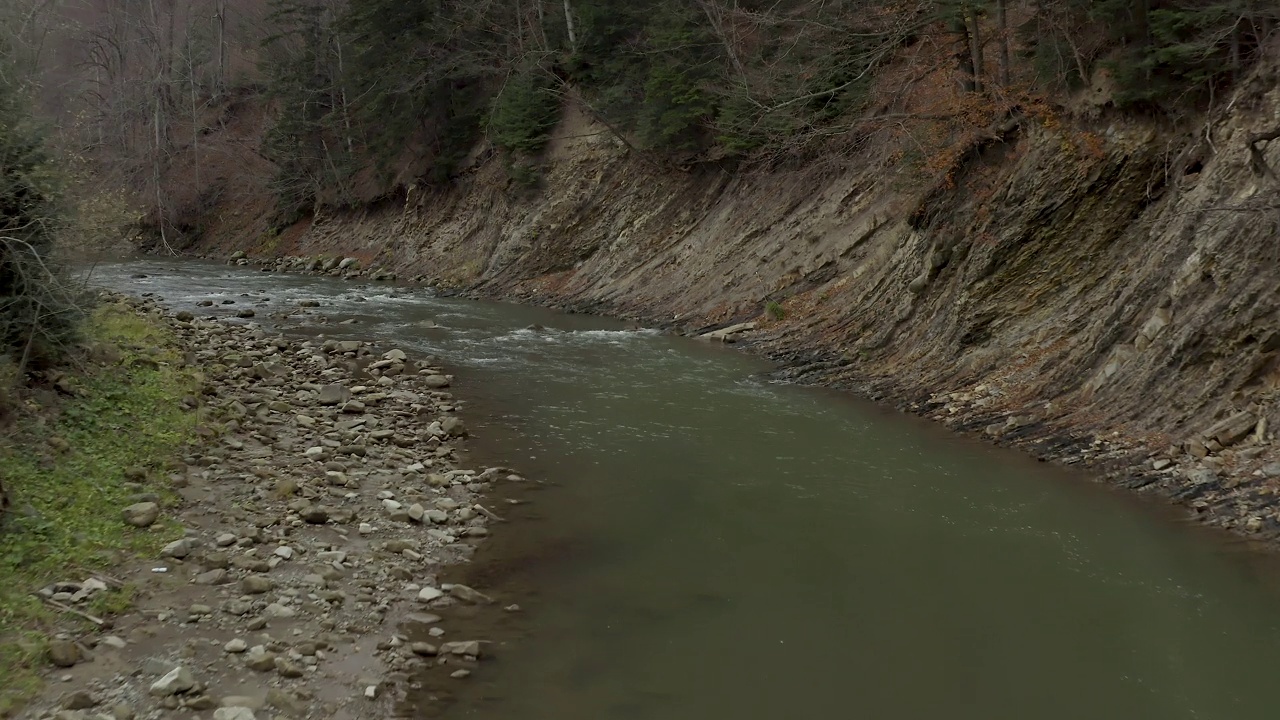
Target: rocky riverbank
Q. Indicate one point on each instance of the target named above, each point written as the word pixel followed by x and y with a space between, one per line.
pixel 322 511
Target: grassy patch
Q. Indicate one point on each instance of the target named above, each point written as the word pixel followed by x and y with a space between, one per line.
pixel 64 465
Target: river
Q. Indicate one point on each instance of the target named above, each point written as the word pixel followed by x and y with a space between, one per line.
pixel 710 544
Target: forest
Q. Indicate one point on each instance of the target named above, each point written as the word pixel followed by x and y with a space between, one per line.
pixel 354 100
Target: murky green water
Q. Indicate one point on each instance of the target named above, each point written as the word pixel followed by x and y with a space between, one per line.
pixel 717 546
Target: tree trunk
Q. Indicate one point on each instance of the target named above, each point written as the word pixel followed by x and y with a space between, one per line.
pixel 1002 25
pixel 964 57
pixel 568 24
pixel 1141 23
pixel 4 501
pixel 220 77
pixel 975 46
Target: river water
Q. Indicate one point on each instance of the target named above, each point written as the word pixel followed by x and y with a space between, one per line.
pixel 714 545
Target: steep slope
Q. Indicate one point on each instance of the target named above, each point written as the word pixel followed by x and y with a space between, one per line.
pixel 1102 293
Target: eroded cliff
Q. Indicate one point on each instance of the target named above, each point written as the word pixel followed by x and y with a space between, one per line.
pixel 1103 293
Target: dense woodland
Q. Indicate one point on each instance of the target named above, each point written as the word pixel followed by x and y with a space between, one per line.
pixel 352 100
pixel 368 95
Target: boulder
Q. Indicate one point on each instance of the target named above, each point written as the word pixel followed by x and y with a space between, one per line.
pixel 142 514
pixel 333 394
pixel 177 680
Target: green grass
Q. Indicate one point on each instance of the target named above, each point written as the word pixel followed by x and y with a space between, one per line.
pixel 774 310
pixel 65 518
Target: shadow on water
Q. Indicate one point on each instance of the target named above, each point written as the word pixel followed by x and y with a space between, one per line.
pixel 701 543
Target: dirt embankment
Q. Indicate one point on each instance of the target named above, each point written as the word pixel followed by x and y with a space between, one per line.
pixel 1104 294
pixel 316 523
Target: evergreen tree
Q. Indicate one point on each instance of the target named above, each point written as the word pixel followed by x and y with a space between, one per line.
pixel 37 317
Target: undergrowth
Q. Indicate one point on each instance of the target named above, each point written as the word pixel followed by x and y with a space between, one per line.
pixel 64 463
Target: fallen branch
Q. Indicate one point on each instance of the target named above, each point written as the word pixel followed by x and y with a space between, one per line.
pixel 68 609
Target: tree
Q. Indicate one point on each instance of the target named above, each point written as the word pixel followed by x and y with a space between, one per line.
pixel 37 316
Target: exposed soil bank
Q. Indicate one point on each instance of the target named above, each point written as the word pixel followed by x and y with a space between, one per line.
pixel 323 509
pixel 1105 295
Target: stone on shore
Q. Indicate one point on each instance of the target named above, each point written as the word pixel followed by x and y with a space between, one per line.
pixel 141 515
pixel 64 653
pixel 178 680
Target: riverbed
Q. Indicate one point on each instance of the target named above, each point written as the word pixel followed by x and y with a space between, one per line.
pixel 712 544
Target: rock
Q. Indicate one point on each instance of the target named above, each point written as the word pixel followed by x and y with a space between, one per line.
pixel 256 584
pixel 225 540
pixel 334 394
pixel 1271 469
pixel 427 594
pixel 178 680
pixel 184 316
pixel 316 515
pixel 64 653
pixel 261 660
pixel 424 649
pixel 178 548
pixel 233 713
pixel 416 512
pixel 245 313
pixel 237 607
pixel 284 551
pixel 142 514
pixel 396 355
pixel 1253 524
pixel 459 674
pixel 468 595
pixel 235 646
pixel 276 610
pixel 288 668
pixel 122 711
pixel 347 263
pixel 79 700
pixel 453 426
pixel 217 576
pixel 436 382
pixel 724 334
pixel 1233 429
pixel 465 647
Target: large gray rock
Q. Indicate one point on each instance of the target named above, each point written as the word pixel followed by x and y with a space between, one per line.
pixel 64 653
pixel 177 680
pixel 233 713
pixel 256 584
pixel 334 394
pixel 1233 429
pixel 453 426
pixel 141 514
pixel 464 647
